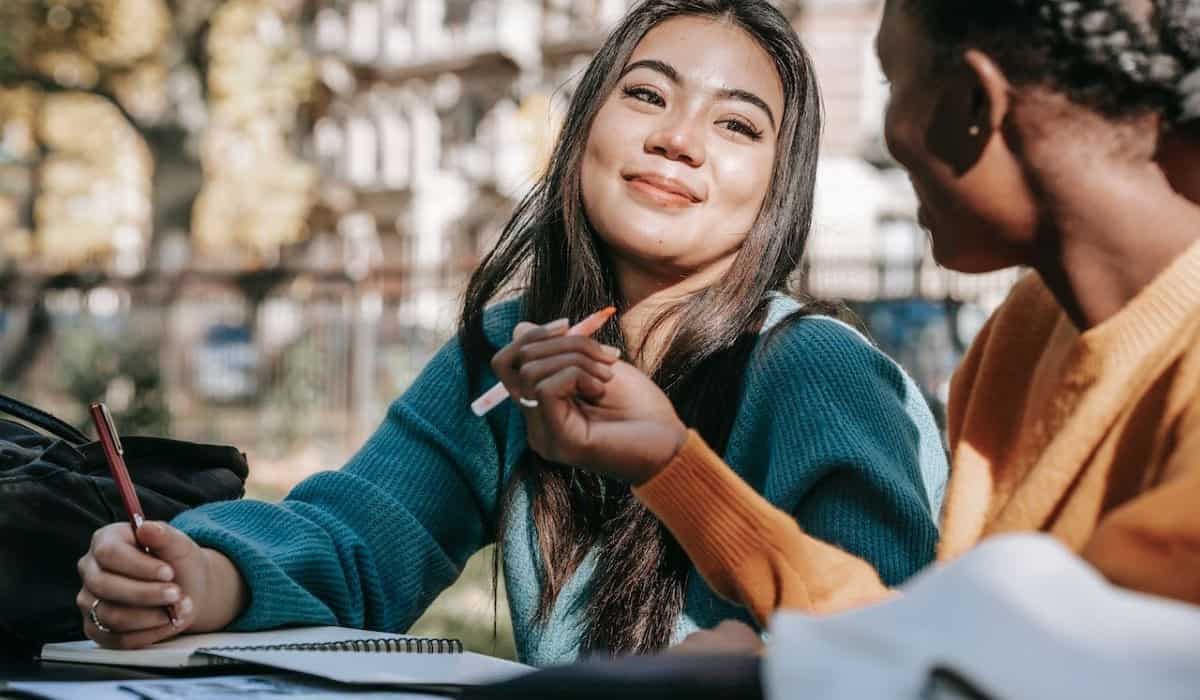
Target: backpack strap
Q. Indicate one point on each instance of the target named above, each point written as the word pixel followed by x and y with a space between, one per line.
pixel 39 418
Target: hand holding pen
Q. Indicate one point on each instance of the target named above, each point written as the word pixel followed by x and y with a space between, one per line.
pixel 114 454
pixel 583 406
pixel 145 581
pixel 496 395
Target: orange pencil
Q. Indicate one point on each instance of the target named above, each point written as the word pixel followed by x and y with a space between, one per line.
pixel 496 395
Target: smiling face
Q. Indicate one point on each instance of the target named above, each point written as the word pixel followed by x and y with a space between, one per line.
pixel 680 156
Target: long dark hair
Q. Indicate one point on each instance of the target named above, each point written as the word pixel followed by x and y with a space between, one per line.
pixel 550 253
pixel 1100 53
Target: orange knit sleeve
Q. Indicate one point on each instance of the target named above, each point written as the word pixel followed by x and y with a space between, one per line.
pixel 1152 543
pixel 749 551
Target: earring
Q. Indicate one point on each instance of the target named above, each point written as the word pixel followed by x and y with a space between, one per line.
pixel 974 130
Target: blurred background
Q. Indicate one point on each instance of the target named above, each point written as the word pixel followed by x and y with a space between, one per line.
pixel 251 221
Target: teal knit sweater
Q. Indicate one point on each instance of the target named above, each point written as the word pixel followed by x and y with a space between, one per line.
pixel 828 429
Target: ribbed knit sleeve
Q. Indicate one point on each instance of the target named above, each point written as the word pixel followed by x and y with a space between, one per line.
pixel 747 549
pixel 851 468
pixel 372 544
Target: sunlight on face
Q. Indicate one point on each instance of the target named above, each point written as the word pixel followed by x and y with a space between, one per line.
pixel 681 154
pixel 978 220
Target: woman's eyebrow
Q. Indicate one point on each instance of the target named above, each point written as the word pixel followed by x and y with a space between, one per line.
pixel 669 72
pixel 750 97
pixel 655 65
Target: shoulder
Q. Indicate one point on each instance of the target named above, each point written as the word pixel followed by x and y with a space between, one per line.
pixel 820 371
pixel 501 318
pixel 819 390
pixel 798 347
pixel 446 373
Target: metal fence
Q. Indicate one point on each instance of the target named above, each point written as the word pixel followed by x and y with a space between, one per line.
pixel 297 367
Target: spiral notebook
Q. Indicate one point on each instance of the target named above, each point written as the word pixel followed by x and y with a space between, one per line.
pixel 334 653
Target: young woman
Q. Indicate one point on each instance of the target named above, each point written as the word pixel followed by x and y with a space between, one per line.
pixel 680 191
pixel 1060 135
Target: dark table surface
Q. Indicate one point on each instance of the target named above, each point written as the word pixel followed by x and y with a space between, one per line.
pixel 634 678
pixel 46 672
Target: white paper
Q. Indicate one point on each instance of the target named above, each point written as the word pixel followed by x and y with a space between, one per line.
pixel 178 652
pixel 1019 617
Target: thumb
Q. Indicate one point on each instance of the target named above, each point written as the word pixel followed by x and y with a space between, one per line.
pixel 166 542
pixel 522 328
pixel 590 388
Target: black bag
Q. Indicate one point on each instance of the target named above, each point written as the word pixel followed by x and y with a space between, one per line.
pixel 55 491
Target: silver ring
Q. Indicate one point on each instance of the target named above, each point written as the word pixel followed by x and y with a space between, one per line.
pixel 95 619
pixel 528 403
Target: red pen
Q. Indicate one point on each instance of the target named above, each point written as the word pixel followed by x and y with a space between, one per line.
pixel 114 455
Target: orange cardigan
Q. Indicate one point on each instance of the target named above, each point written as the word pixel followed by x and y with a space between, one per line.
pixel 1092 437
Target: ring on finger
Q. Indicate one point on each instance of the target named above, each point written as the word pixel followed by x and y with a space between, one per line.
pixel 96 618
pixel 528 403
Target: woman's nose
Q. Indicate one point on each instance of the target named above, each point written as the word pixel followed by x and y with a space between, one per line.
pixel 679 138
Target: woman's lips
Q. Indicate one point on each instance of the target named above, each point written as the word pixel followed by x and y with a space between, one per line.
pixel 661 191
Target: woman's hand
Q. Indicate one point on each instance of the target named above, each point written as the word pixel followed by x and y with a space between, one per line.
pixel 728 638
pixel 592 410
pixel 202 587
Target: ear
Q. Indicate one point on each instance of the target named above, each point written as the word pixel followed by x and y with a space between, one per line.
pixel 972 103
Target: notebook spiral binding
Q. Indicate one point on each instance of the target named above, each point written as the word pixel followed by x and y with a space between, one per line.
pixel 411 645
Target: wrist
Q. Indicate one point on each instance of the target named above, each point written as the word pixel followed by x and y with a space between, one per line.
pixel 676 437
pixel 224 593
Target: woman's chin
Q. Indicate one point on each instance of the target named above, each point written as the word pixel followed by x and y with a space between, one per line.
pixel 650 247
pixel 970 262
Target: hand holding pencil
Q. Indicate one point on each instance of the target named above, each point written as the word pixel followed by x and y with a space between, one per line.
pixel 583 406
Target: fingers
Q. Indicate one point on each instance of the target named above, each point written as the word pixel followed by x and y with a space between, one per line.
pixel 529 360
pixel 129 640
pixel 525 327
pixel 127 628
pixel 580 345
pixel 134 587
pixel 120 618
pixel 165 542
pixel 533 373
pixel 108 585
pixel 114 549
pixel 504 362
pixel 729 637
pixel 547 424
pixel 568 382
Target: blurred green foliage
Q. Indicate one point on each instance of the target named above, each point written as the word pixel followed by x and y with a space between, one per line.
pixel 122 370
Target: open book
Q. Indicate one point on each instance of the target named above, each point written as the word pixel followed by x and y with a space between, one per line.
pixel 334 653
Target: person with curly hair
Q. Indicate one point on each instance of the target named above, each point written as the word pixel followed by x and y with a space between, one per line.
pixel 1057 135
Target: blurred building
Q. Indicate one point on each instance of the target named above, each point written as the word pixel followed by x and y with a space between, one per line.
pixel 439 113
pixel 436 115
pixel 285 197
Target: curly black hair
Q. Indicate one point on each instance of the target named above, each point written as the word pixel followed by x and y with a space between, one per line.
pixel 1098 52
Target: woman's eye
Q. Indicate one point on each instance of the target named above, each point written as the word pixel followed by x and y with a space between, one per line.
pixel 740 127
pixel 644 94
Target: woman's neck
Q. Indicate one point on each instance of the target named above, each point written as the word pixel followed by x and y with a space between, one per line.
pixel 648 292
pixel 1114 234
